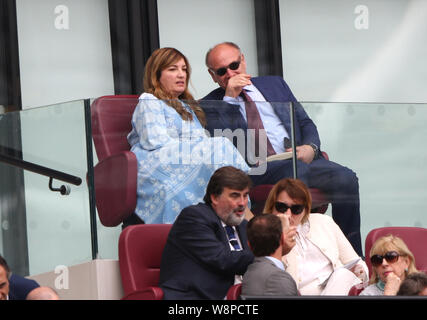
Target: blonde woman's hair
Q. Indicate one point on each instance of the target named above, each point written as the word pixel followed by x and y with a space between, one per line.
pixel 296 189
pixel 391 243
pixel 159 60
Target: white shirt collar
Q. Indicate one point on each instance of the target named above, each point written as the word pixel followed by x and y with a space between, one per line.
pixel 277 262
pixel 223 224
pixel 250 87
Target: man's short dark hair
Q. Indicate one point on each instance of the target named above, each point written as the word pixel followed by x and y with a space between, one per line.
pixel 3 263
pixel 413 284
pixel 226 177
pixel 264 232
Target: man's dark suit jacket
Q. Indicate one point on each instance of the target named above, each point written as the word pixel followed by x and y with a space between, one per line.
pixel 274 89
pixel 197 262
pixel 20 287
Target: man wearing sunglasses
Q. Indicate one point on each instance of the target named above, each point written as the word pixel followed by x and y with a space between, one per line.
pixel 227 67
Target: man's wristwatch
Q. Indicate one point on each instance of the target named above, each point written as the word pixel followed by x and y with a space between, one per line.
pixel 316 150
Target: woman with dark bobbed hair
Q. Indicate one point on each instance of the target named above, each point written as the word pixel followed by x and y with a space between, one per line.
pixel 322 260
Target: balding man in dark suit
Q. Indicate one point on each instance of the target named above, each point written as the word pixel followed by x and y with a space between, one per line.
pixel 227 67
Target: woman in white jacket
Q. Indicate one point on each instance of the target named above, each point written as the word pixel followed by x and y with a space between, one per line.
pixel 322 262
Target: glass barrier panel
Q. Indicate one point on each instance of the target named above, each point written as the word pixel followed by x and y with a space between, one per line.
pixel 57 226
pixel 373 140
pixel 379 142
pixel 383 144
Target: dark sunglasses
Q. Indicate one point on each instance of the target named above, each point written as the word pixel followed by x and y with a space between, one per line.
pixel 283 207
pixel 232 66
pixel 390 257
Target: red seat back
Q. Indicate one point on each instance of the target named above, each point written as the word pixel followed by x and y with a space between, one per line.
pixel 116 172
pixel 140 254
pixel 234 292
pixel 259 195
pixel 111 123
pixel 414 237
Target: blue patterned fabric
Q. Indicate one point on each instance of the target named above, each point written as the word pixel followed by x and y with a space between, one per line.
pixel 175 159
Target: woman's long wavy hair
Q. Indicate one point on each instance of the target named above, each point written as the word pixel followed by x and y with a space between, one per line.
pixel 160 60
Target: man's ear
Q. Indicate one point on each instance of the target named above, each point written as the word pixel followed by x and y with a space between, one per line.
pixel 212 75
pixel 282 239
pixel 214 200
pixel 243 61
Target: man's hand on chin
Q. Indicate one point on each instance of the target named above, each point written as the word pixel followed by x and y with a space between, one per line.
pixel 236 83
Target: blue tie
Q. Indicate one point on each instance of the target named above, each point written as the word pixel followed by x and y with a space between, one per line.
pixel 232 238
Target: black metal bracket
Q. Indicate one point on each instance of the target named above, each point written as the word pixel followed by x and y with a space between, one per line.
pixel 64 189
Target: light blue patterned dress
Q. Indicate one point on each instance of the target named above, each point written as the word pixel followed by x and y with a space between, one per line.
pixel 176 159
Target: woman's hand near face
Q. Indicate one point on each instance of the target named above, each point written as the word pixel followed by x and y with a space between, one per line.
pixel 289 231
pixel 285 221
pixel 392 284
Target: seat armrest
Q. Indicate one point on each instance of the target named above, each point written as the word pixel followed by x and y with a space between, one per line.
pixel 325 155
pixel 115 187
pixel 149 293
pixel 357 289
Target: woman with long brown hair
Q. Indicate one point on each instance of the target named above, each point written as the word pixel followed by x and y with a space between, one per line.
pixel 175 156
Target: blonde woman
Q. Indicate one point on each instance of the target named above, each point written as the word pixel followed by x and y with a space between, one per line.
pixel 391 262
pixel 322 260
pixel 175 156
